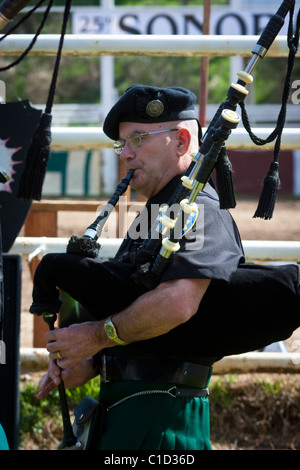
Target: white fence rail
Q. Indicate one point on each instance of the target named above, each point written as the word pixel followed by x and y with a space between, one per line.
pixel 38 358
pixel 71 138
pixel 96 45
pixel 254 250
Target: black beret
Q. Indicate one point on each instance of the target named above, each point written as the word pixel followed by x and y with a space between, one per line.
pixel 143 103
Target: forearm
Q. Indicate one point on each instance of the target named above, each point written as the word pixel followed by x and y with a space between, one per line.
pixel 150 315
pixel 156 312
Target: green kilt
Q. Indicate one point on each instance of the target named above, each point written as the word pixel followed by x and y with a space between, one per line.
pixel 3 440
pixel 153 421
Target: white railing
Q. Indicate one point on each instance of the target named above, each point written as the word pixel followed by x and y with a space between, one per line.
pixel 254 250
pixel 271 362
pixel 70 138
pixel 96 45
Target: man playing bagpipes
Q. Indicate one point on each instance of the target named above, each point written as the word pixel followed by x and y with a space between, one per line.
pixel 146 319
pixel 155 347
pixel 178 295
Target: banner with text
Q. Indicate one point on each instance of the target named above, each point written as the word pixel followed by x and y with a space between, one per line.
pixel 183 21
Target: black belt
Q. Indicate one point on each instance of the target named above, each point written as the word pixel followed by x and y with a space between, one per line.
pixel 148 369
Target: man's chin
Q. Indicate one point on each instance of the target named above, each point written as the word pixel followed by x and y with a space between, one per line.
pixel 137 180
pixel 138 186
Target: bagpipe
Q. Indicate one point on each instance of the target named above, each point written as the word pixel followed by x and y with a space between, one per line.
pixel 255 289
pixel 255 293
pixel 9 9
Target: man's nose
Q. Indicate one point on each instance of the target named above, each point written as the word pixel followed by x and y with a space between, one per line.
pixel 127 153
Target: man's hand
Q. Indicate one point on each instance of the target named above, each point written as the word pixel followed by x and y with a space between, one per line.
pixel 72 377
pixel 74 343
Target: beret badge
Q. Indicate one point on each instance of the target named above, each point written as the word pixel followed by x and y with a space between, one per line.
pixel 155 108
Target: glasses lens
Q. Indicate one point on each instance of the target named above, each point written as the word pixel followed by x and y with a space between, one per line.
pixel 119 145
pixel 134 139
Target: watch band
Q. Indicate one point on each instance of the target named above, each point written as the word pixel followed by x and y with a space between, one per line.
pixel 111 332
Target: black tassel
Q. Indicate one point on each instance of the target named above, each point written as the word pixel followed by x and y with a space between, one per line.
pixel 267 198
pixel 224 181
pixel 33 176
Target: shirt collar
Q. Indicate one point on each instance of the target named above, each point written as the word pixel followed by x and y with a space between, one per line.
pixel 165 194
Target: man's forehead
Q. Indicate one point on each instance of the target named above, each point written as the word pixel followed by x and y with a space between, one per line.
pixel 130 127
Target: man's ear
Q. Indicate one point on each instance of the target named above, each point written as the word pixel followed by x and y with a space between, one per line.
pixel 183 141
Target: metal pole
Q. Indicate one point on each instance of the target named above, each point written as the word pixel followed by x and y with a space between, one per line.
pixel 109 163
pixel 204 67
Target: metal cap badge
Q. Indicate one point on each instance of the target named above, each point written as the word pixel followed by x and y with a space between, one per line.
pixel 155 108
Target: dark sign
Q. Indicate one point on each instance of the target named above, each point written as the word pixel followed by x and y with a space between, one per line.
pixel 18 122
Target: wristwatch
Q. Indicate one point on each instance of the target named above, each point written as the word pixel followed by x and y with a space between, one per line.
pixel 111 332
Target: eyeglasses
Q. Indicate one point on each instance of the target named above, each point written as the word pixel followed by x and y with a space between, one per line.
pixel 135 139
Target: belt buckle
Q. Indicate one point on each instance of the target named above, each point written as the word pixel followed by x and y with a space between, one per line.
pixel 104 374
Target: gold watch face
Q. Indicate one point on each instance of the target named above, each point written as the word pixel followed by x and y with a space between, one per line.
pixel 110 331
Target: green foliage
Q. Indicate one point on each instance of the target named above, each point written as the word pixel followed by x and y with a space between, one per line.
pixel 75 395
pixel 173 71
pixel 272 388
pixel 221 393
pixel 269 79
pixel 34 412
